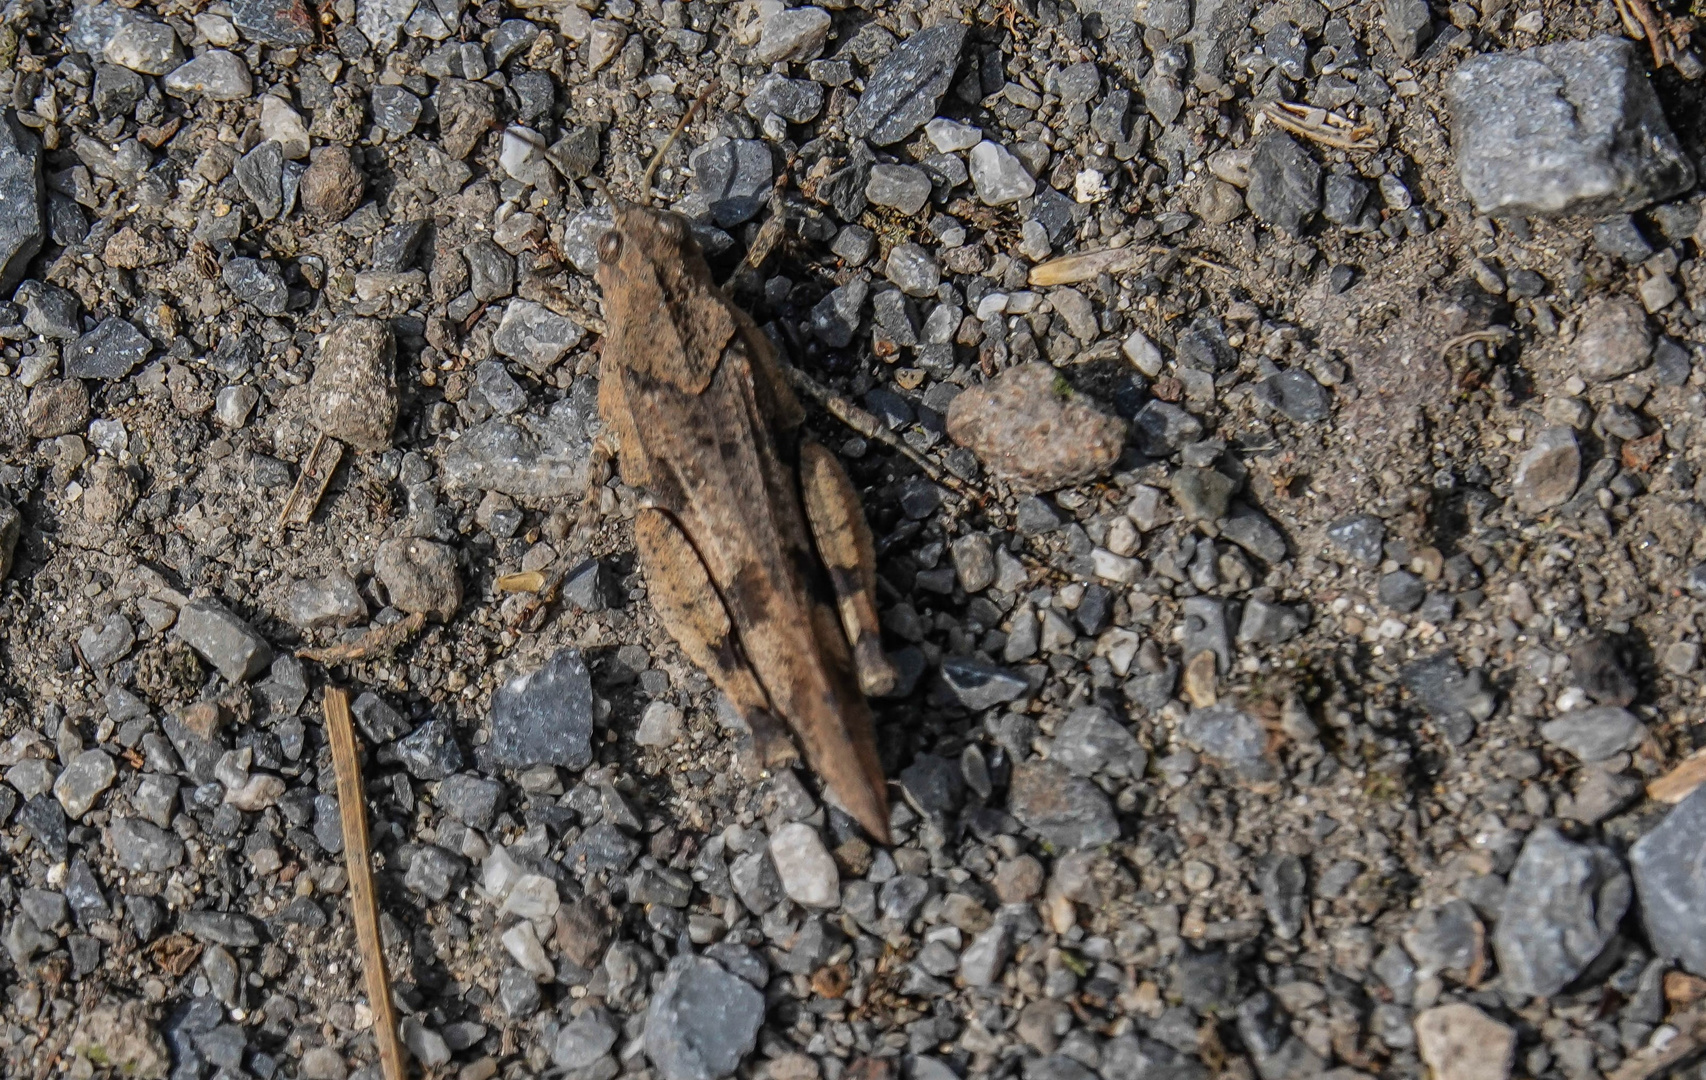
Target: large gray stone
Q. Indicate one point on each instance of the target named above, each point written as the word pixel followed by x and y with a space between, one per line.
pixel 354 387
pixel 1595 734
pixel 702 1022
pixel 23 218
pixel 525 457
pixel 223 640
pixel 1285 183
pixel 1670 878
pixel 109 351
pixel 1547 473
pixel 1571 128
pixel 1562 906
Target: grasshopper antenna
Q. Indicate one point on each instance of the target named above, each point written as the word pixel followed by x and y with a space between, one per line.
pixel 657 158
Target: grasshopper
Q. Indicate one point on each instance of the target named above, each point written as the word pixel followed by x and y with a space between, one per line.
pixel 751 538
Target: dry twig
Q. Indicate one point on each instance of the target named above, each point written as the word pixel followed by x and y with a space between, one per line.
pixel 377 641
pixel 1680 782
pixel 1644 24
pixel 352 808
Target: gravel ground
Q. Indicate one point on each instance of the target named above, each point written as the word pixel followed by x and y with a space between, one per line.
pixel 1299 614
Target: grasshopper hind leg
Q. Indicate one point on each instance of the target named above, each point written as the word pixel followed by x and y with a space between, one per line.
pixel 695 617
pixel 844 544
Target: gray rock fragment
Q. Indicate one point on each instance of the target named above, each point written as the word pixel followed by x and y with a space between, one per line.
pixel 1225 732
pixel 904 90
pixel 109 351
pixel 535 335
pixel 144 847
pixel 1361 537
pixel 1561 908
pixel 1670 878
pixel 1570 128
pixel 999 177
pixel 978 685
pixel 1409 26
pixel 731 177
pixel 527 457
pixel 1456 700
pixel 420 576
pixel 23 194
pixel 222 639
pixel 1613 341
pixel 1548 472
pixel 545 716
pixel 1089 740
pixel 1285 183
pixel 1067 811
pixel 1595 734
pixel 702 1021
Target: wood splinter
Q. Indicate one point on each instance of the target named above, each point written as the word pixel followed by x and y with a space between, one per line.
pixel 376 642
pixel 311 482
pixel 352 809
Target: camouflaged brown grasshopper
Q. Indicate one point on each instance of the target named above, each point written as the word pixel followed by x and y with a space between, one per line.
pixel 751 537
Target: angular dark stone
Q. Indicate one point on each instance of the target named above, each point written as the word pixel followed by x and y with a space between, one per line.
pixel 978 685
pixel 1255 532
pixel 260 173
pixel 1068 811
pixel 23 193
pixel 109 351
pixel 1285 183
pixel 1361 537
pixel 1456 700
pixel 545 716
pixel 1296 395
pixel 44 819
pixel 902 93
pixel 430 751
pixel 733 177
pixel 602 848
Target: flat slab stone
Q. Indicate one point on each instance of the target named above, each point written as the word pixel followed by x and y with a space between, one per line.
pixel 1571 128
pixel 545 716
pixel 223 640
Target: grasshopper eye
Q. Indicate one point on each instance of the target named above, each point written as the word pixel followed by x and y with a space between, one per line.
pixel 610 247
pixel 673 228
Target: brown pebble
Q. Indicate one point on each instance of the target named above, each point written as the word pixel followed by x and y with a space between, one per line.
pixel 582 931
pixel 1028 426
pixel 57 407
pixel 204 718
pixel 1018 880
pixel 332 187
pixel 420 576
pixel 109 493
